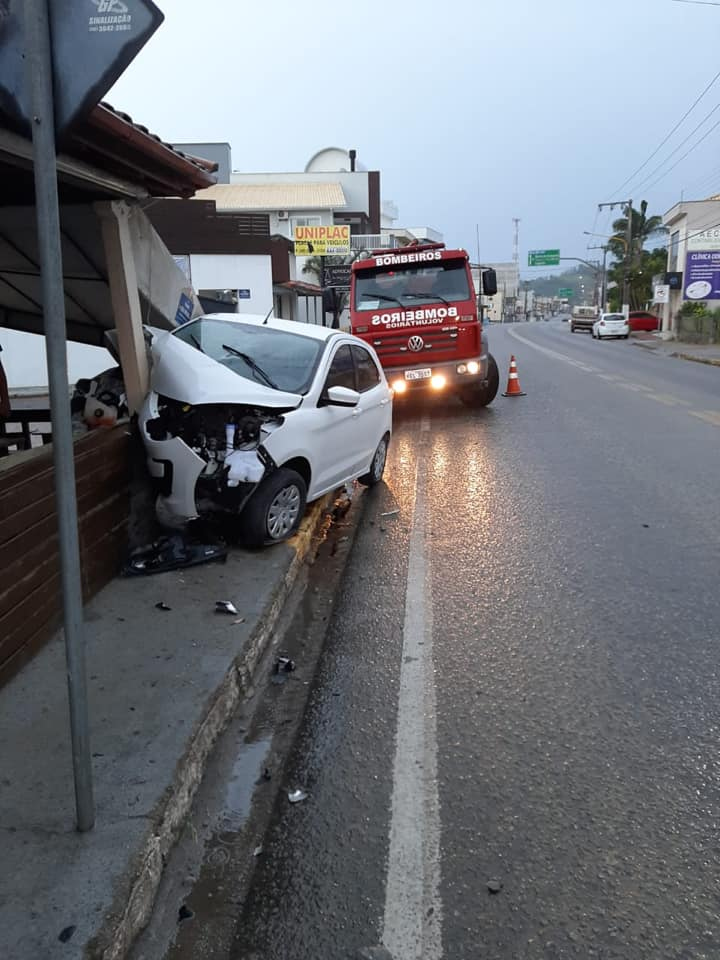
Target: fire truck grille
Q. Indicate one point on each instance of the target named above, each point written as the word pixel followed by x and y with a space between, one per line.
pixel 444 340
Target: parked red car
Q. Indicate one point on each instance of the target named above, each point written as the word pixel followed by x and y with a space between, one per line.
pixel 643 320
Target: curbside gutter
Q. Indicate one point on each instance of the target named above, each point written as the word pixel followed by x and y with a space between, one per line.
pixel 132 910
pixel 710 361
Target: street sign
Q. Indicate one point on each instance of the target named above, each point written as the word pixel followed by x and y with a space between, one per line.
pixel 565 292
pixel 336 275
pixel 544 258
pixel 323 241
pixel 93 42
pixel 661 293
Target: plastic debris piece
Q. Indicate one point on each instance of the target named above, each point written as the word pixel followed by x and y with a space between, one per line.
pixel 185 913
pixel 172 553
pixel 284 665
pixel 390 513
pixel 257 851
pixel 226 606
pixel 297 796
pixel 349 489
pixel 239 620
pixel 266 774
pixel 162 606
pixel 494 886
pixel 66 933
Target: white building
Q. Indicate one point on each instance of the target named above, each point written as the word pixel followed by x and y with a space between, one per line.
pixel 694 253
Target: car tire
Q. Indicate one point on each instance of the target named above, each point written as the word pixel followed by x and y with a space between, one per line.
pixel 478 397
pixel 626 337
pixel 275 510
pixel 377 467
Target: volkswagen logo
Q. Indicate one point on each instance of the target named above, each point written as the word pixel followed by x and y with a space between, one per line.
pixel 416 344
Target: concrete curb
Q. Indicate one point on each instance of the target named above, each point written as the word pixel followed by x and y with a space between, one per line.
pixel 128 918
pixel 710 361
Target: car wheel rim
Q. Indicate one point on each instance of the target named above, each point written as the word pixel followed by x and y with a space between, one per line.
pixel 379 460
pixel 283 512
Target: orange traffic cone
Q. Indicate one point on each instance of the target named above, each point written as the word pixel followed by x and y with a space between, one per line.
pixel 513 384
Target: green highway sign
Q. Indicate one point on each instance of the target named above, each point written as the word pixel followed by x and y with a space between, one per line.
pixel 544 258
pixel 565 292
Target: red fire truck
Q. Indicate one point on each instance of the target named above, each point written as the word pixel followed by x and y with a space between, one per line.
pixel 417 306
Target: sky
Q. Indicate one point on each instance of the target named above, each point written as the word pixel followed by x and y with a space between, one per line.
pixel 474 111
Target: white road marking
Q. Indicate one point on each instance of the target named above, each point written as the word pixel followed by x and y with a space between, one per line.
pixel 613 378
pixel 412 928
pixel 667 399
pixel 709 416
pixel 636 387
pixel 554 353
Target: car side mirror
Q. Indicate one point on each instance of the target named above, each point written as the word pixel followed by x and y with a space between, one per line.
pixel 489 283
pixel 341 397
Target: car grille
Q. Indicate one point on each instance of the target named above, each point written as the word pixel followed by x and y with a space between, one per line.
pixel 444 340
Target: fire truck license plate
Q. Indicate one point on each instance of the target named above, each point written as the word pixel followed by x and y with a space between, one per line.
pixel 423 374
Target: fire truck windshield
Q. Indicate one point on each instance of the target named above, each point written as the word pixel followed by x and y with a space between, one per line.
pixel 445 281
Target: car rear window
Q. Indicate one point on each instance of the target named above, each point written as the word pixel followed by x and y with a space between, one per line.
pixel 615 316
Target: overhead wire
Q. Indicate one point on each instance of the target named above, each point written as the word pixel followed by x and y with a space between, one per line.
pixel 669 135
pixel 686 154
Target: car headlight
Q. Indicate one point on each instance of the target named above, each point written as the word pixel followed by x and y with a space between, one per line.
pixel 438 381
pixel 473 367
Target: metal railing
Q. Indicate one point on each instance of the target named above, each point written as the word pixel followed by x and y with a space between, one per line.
pixel 372 241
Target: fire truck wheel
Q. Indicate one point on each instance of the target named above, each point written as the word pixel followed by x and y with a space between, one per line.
pixel 377 467
pixel 482 396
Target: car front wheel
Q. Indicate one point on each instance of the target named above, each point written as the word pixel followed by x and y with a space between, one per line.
pixel 274 511
pixel 377 467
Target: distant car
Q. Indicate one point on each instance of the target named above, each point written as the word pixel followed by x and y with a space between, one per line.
pixel 256 417
pixel 643 320
pixel 611 325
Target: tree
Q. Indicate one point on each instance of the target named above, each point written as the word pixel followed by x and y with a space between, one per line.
pixel 639 264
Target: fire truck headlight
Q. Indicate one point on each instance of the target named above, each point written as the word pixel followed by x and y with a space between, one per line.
pixel 399 386
pixel 462 368
pixel 438 381
pixel 473 367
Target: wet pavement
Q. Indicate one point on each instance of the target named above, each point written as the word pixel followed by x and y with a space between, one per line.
pixel 510 747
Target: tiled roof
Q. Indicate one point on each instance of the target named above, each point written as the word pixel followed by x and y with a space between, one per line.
pixel 275 196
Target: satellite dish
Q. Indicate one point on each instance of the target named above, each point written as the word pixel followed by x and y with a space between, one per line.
pixel 331 160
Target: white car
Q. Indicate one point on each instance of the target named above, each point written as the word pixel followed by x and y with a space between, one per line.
pixel 256 416
pixel 611 325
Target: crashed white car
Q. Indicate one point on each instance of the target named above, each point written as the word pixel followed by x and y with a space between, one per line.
pixel 258 416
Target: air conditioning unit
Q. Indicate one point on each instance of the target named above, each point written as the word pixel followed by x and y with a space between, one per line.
pixel 283 215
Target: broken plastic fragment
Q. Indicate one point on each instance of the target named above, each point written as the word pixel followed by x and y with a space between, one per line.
pixel 494 886
pixel 162 606
pixel 349 489
pixel 257 851
pixel 66 933
pixel 297 796
pixel 184 913
pixel 226 606
pixel 284 665
pixel 390 513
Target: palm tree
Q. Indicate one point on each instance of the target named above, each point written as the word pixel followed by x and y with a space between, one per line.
pixel 630 262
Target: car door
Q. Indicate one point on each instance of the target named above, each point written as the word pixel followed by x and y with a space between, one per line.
pixel 374 409
pixel 335 433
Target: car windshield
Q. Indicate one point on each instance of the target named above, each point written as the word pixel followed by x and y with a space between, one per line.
pixel 438 282
pixel 274 358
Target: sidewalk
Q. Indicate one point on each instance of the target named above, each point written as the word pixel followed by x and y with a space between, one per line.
pixel 698 352
pixel 162 685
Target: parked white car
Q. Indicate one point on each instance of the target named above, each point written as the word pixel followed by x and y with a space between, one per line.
pixel 257 416
pixel 611 325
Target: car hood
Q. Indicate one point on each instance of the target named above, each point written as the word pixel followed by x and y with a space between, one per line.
pixel 183 373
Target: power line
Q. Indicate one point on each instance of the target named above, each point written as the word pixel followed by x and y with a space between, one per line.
pixel 687 154
pixel 641 185
pixel 662 144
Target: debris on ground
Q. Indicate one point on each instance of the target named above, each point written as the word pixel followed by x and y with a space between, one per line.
pixel 257 851
pixel 172 552
pixel 266 774
pixel 226 606
pixel 390 513
pixel 66 933
pixel 297 796
pixel 162 606
pixel 494 886
pixel 184 913
pixel 375 953
pixel 284 665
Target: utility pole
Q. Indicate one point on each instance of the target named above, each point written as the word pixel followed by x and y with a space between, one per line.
pixel 603 280
pixel 628 248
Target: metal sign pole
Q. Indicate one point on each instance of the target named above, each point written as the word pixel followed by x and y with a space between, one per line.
pixel 39 63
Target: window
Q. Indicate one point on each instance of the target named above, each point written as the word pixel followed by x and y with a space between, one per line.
pixel 342 371
pixel 367 371
pixel 306 222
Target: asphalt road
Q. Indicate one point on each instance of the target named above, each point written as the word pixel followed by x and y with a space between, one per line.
pixel 520 688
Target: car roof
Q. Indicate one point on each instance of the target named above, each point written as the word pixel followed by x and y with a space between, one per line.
pixel 311 330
